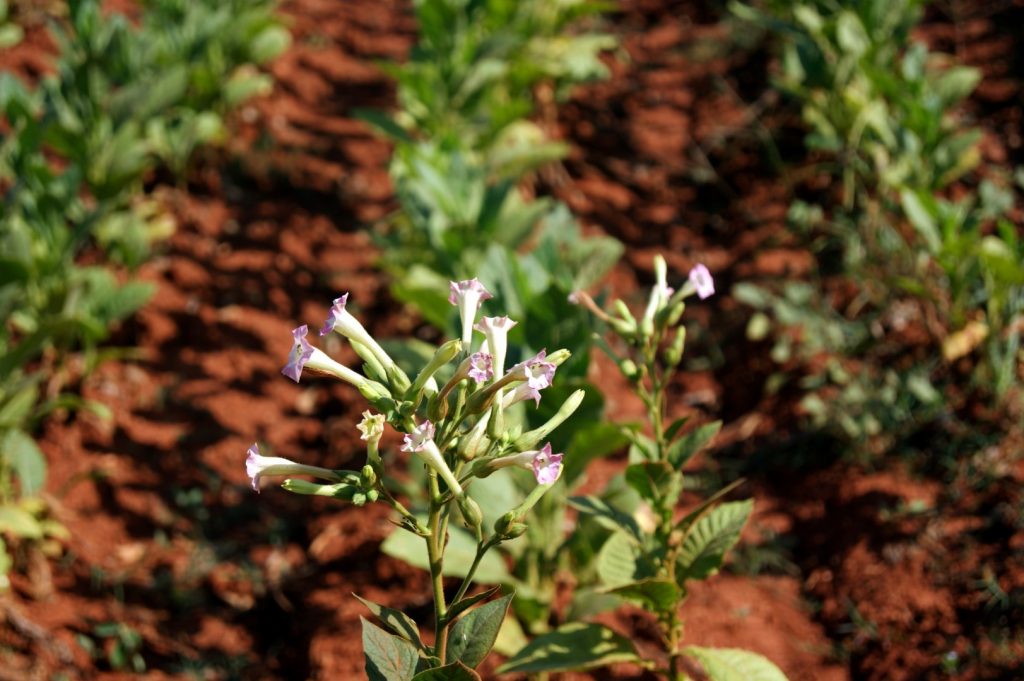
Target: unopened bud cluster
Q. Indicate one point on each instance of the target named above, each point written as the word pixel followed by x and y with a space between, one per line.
pixel 456 428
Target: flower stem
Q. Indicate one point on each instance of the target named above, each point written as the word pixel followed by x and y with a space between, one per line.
pixel 435 555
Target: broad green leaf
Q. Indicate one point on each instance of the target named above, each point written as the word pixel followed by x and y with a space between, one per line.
pixel 617 561
pixel 575 646
pixel 607 515
pixel 919 210
pixel 395 620
pixel 23 455
pixel 20 523
pixel 451 672
pixel 683 449
pixel 388 657
pixel 511 638
pixel 18 408
pixel 659 595
pixel 473 635
pixel 458 555
pixel 710 538
pixel 733 664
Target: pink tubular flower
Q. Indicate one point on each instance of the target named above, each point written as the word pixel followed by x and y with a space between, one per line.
pixel 535 371
pixel 337 310
pixel 481 368
pixel 342 321
pixel 547 467
pixel 257 465
pixel 701 279
pixel 300 354
pixel 421 441
pixel 523 391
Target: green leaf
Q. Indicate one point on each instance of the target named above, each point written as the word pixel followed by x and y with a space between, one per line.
pixel 20 523
pixel 617 561
pixel 469 601
pixel 575 646
pixel 590 441
pixel 659 595
pixel 710 538
pixel 451 672
pixel 18 408
pixel 395 620
pixel 388 657
pixel 733 664
pixel 23 455
pixel 920 211
pixel 683 449
pixel 458 556
pixel 473 635
pixel 655 480
pixel 269 43
pixel 607 515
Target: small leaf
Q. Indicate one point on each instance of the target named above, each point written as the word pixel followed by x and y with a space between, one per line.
pixel 733 664
pixel 655 480
pixel 20 523
pixel 616 561
pixel 610 517
pixel 575 646
pixel 473 635
pixel 388 657
pixel 683 449
pixel 395 620
pixel 710 538
pixel 26 459
pixel 469 601
pixel 451 672
pixel 659 595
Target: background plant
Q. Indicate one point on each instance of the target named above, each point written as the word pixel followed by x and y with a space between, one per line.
pixel 465 152
pixel 646 554
pixel 77 150
pixel 909 281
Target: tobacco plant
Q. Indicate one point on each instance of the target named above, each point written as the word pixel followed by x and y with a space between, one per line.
pixel 123 101
pixel 452 416
pixel 650 553
pixel 909 281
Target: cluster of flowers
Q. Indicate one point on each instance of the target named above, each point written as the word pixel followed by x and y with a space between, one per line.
pixel 457 429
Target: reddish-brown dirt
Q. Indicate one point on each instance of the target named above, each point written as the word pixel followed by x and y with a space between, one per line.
pixel 879 575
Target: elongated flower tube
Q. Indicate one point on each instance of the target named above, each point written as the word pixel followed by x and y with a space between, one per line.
pixel 468 296
pixel 496 329
pixel 342 321
pixel 546 467
pixel 257 465
pixel 421 441
pixel 529 439
pixel 305 356
pixel 702 281
pixel 442 356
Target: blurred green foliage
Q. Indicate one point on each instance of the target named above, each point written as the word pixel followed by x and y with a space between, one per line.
pixel 76 150
pixel 909 281
pixel 465 153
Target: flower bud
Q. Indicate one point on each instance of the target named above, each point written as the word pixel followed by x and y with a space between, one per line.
pixel 444 354
pixel 625 323
pixel 530 439
pixel 368 476
pixel 629 369
pixel 674 352
pixel 558 357
pixel 471 511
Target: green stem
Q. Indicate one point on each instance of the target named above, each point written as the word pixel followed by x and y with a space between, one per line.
pixel 481 549
pixel 435 555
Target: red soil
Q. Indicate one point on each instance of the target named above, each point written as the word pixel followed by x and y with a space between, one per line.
pixel 168 539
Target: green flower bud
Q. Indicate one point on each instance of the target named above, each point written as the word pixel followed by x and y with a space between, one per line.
pixel 629 369
pixel 471 511
pixel 368 476
pixel 530 439
pixel 444 354
pixel 674 352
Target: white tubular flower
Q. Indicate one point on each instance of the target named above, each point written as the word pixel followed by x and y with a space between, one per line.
pixel 257 465
pixel 468 296
pixel 342 321
pixel 660 293
pixel 371 427
pixel 496 329
pixel 522 392
pixel 536 372
pixel 421 441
